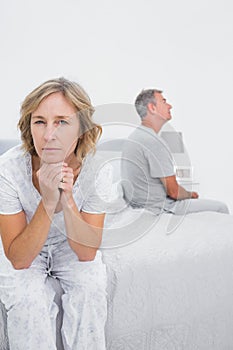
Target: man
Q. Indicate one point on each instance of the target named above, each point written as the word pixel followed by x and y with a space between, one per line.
pixel 147 164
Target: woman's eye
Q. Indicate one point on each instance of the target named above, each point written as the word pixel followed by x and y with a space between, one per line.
pixel 39 122
pixel 62 122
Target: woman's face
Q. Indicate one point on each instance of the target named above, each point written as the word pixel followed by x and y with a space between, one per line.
pixel 55 128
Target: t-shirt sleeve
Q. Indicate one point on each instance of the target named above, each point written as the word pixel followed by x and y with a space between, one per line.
pixel 9 200
pixel 160 161
pixel 98 194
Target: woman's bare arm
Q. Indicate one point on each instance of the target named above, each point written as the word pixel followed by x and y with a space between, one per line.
pixel 22 242
pixel 84 231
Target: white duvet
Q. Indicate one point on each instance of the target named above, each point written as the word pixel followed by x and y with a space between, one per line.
pixel 169 291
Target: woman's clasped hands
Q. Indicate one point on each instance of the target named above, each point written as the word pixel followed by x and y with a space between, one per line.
pixel 56 183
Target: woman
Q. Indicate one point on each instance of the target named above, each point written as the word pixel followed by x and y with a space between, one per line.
pixel 51 218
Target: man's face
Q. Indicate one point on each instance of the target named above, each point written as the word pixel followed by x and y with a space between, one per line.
pixel 162 108
pixel 55 128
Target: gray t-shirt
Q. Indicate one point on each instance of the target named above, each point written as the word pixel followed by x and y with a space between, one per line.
pixel 17 192
pixel 145 159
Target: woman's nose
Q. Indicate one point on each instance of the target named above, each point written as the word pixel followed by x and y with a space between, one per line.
pixel 49 133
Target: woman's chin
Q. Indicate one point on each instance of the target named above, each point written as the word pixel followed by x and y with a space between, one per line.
pixel 50 159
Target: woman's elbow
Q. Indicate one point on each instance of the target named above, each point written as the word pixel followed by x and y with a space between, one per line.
pixel 19 265
pixel 87 257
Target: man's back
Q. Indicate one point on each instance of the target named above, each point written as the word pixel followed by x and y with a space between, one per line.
pixel 146 159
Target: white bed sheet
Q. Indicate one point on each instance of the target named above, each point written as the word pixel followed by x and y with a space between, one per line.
pixel 171 291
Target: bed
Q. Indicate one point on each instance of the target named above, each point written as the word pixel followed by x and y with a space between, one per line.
pixel 170 280
pixel 173 291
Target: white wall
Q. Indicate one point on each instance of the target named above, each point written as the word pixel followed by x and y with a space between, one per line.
pixel 116 48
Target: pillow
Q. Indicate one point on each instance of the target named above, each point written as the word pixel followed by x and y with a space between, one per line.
pixel 7 144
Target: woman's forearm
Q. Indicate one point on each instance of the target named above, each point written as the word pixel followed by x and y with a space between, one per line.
pixel 27 245
pixel 83 238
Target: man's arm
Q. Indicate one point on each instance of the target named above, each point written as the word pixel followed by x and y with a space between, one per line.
pixel 174 190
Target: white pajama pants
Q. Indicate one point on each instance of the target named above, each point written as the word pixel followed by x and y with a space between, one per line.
pixel 30 305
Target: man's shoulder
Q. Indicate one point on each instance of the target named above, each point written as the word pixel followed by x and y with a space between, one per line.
pixel 145 137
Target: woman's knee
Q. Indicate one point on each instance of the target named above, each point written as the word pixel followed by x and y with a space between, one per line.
pixel 90 277
pixel 23 289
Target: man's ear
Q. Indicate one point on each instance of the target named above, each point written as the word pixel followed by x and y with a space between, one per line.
pixel 151 107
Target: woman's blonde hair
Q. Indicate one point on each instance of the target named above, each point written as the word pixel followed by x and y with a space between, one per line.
pixel 75 94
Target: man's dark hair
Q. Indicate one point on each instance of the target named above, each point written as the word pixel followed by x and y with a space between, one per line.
pixel 142 100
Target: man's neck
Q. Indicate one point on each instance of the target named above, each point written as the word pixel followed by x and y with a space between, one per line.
pixel 156 126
